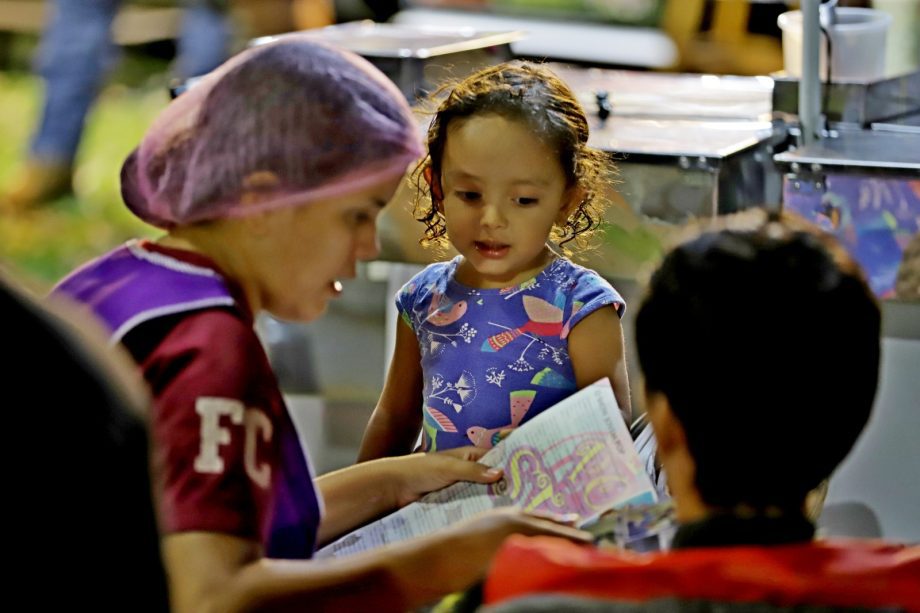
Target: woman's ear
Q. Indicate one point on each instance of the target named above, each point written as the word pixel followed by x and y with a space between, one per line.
pixel 257 186
pixel 434 186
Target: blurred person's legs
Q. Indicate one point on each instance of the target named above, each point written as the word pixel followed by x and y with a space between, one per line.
pixel 75 57
pixel 75 54
pixel 205 38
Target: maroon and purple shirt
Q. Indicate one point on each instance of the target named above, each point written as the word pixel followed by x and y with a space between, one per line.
pixel 225 449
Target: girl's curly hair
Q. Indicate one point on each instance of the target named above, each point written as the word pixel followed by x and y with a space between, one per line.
pixel 520 91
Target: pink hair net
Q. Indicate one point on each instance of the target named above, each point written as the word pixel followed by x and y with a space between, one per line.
pixel 282 124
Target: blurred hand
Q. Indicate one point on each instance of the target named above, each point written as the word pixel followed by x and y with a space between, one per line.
pixel 505 521
pixel 474 542
pixel 459 556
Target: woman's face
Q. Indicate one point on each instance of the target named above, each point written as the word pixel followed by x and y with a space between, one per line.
pixel 306 250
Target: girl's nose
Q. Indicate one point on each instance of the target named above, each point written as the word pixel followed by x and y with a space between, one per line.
pixel 492 216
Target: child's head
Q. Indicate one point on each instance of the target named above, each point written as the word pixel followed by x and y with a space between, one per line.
pixel 764 340
pixel 278 125
pixel 532 97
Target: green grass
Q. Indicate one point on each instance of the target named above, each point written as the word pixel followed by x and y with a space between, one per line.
pixel 40 246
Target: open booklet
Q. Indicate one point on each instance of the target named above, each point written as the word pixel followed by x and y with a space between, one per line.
pixel 575 457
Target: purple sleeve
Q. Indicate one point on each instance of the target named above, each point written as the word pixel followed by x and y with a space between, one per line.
pixel 592 292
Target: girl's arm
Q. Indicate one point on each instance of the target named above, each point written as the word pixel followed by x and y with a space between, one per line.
pixel 597 350
pixel 395 424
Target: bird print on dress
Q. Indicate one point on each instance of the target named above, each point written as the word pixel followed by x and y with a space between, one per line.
pixel 487 438
pixel 455 395
pixel 442 312
pixel 545 319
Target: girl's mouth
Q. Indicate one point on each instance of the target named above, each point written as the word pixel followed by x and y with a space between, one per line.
pixel 491 249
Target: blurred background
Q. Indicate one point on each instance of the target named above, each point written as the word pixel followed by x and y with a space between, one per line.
pixel 69 213
pixel 72 211
pixel 671 123
pixel 64 222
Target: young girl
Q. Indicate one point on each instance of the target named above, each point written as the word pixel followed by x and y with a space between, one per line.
pixel 509 327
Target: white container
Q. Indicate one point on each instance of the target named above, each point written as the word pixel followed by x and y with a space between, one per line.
pixel 903 53
pixel 857 44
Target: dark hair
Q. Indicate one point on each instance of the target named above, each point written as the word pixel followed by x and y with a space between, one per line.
pixel 765 342
pixel 533 94
pixel 97 459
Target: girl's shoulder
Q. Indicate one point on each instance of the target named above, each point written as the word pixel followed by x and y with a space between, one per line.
pixel 584 285
pixel 439 270
pixel 568 272
pixel 439 273
pixel 431 280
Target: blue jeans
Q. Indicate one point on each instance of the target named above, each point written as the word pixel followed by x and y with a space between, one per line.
pixel 77 52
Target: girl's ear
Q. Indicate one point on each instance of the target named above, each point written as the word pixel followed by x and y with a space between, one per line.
pixel 434 186
pixel 573 197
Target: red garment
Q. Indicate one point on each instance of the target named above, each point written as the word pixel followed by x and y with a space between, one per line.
pixel 221 359
pixel 835 573
pixel 226 451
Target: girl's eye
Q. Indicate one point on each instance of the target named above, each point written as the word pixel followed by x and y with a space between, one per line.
pixel 468 196
pixel 524 201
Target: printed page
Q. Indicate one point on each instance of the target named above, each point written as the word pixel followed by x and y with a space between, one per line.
pixel 576 457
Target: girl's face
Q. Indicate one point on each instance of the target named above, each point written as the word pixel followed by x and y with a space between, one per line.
pixel 503 189
pixel 305 250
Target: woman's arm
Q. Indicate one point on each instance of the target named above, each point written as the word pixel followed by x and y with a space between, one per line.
pixel 597 350
pixel 221 572
pixel 212 572
pixel 395 424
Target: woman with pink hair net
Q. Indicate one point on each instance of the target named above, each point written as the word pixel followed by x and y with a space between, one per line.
pixel 267 177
